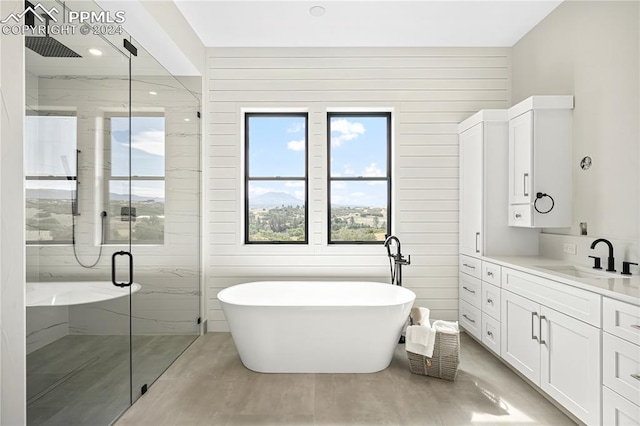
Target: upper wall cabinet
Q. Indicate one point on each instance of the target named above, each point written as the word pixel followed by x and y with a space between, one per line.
pixel 540 130
pixel 483 189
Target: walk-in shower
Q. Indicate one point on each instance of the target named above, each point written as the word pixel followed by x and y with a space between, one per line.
pixel 112 195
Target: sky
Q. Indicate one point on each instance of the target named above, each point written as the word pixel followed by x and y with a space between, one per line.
pixel 358 148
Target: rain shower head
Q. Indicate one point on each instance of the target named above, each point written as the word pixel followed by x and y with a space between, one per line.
pixel 49 47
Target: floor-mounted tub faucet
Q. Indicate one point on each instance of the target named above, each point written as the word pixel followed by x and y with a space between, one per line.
pixel 398 260
pixel 611 264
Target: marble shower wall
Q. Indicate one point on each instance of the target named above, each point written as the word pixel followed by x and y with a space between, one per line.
pixel 168 302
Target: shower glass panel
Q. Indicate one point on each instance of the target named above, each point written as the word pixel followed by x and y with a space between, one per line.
pixel 165 203
pixel 78 322
pixel 111 175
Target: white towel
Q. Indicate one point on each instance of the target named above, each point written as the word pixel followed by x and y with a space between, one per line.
pixel 448 327
pixel 420 339
pixel 420 316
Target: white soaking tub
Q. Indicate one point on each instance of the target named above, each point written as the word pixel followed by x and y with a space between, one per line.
pixel 316 326
pixel 74 292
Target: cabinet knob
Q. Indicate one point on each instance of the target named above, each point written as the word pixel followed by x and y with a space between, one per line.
pixel 518 215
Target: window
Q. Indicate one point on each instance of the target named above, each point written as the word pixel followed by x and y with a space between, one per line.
pixel 276 178
pixel 359 175
pixel 146 157
pixel 51 177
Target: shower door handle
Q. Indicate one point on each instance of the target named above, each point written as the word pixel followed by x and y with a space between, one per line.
pixel 113 268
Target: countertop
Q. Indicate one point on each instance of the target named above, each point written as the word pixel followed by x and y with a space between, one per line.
pixel 617 286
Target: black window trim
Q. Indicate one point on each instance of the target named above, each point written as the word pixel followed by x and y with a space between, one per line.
pixel 48 113
pixel 330 179
pixel 247 178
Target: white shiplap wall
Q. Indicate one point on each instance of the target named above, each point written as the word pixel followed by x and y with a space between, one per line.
pixel 429 90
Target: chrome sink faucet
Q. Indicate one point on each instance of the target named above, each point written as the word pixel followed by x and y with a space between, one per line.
pixel 611 264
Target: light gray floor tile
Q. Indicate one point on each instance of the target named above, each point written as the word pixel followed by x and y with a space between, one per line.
pixel 208 385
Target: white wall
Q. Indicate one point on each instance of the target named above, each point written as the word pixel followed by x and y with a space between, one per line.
pixel 12 321
pixel 592 50
pixel 430 91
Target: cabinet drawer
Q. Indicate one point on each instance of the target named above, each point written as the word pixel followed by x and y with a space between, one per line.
pixel 470 290
pixel 520 215
pixel 617 411
pixel 575 302
pixel 471 266
pixel 491 273
pixel 621 319
pixel 470 318
pixel 491 333
pixel 621 367
pixel 490 300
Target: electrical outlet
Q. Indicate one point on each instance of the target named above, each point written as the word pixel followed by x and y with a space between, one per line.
pixel 569 248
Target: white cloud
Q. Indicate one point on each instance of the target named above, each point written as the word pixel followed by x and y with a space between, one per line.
pixel 296 145
pixel 149 141
pixel 372 170
pixel 299 195
pixel 338 185
pixel 295 128
pixel 347 131
pixel 357 194
pixel 294 183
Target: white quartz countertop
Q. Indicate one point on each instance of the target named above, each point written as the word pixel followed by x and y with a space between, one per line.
pixel 614 285
pixel 74 292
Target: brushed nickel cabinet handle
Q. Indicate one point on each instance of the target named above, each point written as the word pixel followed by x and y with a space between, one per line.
pixel 469 266
pixel 524 181
pixel 469 319
pixel 637 327
pixel 518 215
pixel 490 301
pixel 469 290
pixel 489 273
pixel 542 317
pixel 533 335
pixel 490 334
pixel 636 376
pixel 477 235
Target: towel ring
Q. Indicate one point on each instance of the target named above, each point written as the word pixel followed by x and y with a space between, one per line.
pixel 540 195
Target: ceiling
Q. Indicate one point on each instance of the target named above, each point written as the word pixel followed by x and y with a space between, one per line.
pixel 240 23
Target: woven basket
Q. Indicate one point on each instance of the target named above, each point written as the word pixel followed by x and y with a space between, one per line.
pixel 443 364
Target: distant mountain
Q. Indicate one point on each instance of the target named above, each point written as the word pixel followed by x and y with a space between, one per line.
pixel 275 199
pixel 63 194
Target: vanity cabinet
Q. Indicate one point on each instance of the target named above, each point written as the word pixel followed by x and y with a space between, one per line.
pixel 484 229
pixel 557 352
pixel 540 133
pixel 620 363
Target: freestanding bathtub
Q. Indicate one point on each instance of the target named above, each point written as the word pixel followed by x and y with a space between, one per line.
pixel 316 326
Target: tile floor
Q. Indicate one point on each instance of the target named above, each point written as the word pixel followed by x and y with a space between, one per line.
pixel 208 385
pixel 84 380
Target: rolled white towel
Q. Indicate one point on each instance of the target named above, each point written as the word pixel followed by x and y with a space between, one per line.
pixel 420 315
pixel 448 327
pixel 420 339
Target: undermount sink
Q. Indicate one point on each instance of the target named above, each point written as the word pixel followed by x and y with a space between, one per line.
pixel 579 271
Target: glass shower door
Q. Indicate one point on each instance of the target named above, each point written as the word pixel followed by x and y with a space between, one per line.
pixel 165 196
pixel 78 322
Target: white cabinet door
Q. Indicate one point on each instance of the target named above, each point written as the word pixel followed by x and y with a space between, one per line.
pixel 618 411
pixel 520 161
pixel 570 361
pixel 471 143
pixel 520 334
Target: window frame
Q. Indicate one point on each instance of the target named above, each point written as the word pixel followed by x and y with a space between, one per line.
pixel 52 178
pixel 387 178
pixel 108 176
pixel 247 178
